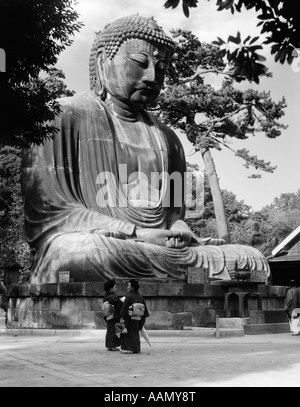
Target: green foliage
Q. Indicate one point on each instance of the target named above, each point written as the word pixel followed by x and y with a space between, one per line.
pixel 186 5
pixel 236 211
pixel 13 246
pixel 244 59
pixel 212 117
pixel 254 161
pixel 267 228
pixel 11 208
pixel 280 25
pixel 263 229
pixel 54 83
pixel 287 202
pixel 40 97
pixel 33 34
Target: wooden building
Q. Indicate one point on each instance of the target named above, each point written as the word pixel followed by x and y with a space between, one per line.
pixel 285 260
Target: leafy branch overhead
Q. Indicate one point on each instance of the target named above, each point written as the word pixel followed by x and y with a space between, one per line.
pixel 255 162
pixel 280 26
pixel 244 59
pixel 186 5
pixel 33 34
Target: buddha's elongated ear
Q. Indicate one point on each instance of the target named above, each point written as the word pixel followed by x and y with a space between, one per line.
pixel 100 89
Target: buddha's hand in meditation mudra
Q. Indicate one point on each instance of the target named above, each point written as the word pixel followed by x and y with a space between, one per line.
pixel 110 233
pixel 174 239
pixel 161 237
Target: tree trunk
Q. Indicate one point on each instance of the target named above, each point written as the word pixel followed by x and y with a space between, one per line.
pixel 216 194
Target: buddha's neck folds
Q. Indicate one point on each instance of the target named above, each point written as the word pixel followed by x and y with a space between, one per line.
pixel 123 110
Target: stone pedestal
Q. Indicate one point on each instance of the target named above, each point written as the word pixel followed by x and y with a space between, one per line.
pixel 198 275
pixel 171 305
pixel 237 303
pixel 241 297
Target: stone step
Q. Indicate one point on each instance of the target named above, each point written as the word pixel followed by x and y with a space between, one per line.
pixel 269 328
pixel 232 323
pixel 229 332
pixel 192 332
pixel 186 331
pixel 200 332
pixel 267 316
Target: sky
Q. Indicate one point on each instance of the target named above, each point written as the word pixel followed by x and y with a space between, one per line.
pixel 208 24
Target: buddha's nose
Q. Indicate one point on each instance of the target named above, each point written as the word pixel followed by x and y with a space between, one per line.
pixel 149 72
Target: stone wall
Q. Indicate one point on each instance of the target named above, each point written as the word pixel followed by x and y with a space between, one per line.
pixel 243 297
pixel 171 305
pixel 273 296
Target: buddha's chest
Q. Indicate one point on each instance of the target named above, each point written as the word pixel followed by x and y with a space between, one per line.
pixel 141 158
pixel 139 149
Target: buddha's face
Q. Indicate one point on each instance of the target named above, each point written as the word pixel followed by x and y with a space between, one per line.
pixel 136 73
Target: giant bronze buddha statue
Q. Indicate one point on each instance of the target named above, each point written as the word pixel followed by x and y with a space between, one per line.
pixel 90 205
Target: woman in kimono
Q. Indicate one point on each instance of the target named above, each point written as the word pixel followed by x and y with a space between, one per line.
pixel 289 299
pixel 133 313
pixel 112 305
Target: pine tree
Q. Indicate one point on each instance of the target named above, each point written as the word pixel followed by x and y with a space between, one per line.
pixel 211 117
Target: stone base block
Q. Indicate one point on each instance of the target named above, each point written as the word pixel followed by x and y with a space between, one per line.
pixel 226 332
pixel 172 305
pixel 274 316
pixel 256 329
pixel 232 323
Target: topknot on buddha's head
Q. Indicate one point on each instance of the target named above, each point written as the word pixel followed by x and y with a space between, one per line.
pixel 125 28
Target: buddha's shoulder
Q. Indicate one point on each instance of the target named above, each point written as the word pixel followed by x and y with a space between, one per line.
pixel 83 102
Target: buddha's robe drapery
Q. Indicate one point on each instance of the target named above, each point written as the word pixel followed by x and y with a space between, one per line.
pixel 61 183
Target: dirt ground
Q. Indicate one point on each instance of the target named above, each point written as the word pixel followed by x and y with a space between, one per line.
pixel 269 360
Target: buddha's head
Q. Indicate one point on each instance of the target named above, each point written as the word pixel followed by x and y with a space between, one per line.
pixel 129 59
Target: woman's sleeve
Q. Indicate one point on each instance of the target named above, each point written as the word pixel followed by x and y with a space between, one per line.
pixel 124 309
pixel 146 314
pixel 118 305
pixel 142 322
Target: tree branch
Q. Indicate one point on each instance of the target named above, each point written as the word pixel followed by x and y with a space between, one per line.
pixel 199 73
pixel 213 122
pixel 6 240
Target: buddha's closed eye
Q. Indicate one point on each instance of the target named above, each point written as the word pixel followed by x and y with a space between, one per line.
pixel 139 58
pixel 143 60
